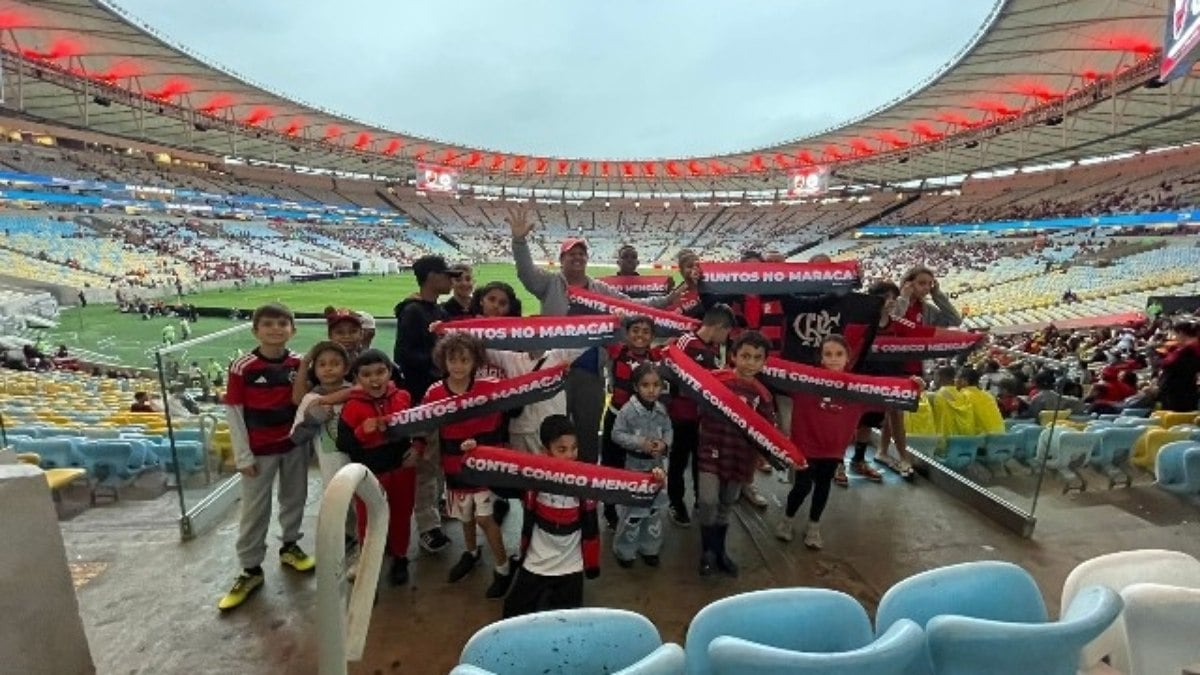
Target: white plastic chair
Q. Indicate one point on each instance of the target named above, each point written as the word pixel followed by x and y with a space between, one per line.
pixel 1162 627
pixel 1118 571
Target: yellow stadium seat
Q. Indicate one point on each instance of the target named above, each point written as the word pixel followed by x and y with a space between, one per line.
pixel 1145 450
pixel 1169 419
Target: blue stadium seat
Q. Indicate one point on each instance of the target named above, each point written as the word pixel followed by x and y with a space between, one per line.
pixel 56 453
pixel 589 640
pixel 1030 433
pixel 793 619
pixel 114 462
pixel 962 451
pixel 25 430
pixel 892 654
pixel 1177 467
pixel 999 449
pixel 1136 412
pixel 965 645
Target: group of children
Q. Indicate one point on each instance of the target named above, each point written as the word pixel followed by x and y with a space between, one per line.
pixel 336 401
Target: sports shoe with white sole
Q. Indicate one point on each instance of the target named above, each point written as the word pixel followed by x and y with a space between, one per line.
pixel 784 530
pixel 812 537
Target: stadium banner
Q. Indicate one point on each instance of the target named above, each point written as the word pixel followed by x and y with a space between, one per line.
pixel 511 394
pixel 768 279
pixel 535 333
pixel 639 286
pixel 886 392
pixel 712 395
pixel 666 324
pixel 1181 40
pixel 516 469
pixel 945 344
pixel 811 181
pixel 433 178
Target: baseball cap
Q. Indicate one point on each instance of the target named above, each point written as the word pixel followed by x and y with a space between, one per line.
pixel 432 264
pixel 571 243
pixel 342 315
pixel 366 320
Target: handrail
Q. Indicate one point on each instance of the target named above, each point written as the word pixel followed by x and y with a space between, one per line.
pixel 341 627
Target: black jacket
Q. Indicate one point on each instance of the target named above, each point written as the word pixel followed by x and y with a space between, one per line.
pixel 414 344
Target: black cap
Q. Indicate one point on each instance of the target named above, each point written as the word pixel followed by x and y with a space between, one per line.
pixel 432 264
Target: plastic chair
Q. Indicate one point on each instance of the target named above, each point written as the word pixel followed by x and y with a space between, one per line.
pixel 666 660
pixel 892 654
pixel 999 449
pixel 113 462
pixel 1146 450
pixel 1177 467
pixel 961 451
pixel 1170 419
pixel 963 645
pixel 1136 422
pixel 1136 412
pixel 55 453
pixel 795 619
pixel 988 589
pixel 1046 416
pixel 1030 434
pixel 1161 627
pixel 588 640
pixel 1118 571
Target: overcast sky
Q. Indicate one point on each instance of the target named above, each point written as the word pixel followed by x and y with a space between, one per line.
pixel 569 78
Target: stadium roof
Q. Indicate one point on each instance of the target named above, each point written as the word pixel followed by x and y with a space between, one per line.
pixel 1042 81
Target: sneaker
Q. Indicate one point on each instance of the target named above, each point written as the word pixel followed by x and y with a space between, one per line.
pixel 839 476
pixel 294 557
pixel 625 563
pixel 399 572
pixel 500 582
pixel 651 560
pixel 812 537
pixel 905 469
pixel 751 494
pixel 434 541
pixel 679 515
pixel 863 469
pixel 784 530
pixel 500 509
pixel 464 566
pixel 245 586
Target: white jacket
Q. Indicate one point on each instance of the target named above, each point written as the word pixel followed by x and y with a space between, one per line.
pixel 515 364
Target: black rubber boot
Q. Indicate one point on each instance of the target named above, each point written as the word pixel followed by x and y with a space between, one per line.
pixel 708 556
pixel 724 562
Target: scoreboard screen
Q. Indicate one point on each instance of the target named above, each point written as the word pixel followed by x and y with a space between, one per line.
pixel 811 181
pixel 436 179
pixel 1181 42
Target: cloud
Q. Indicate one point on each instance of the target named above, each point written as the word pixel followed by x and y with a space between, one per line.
pixel 621 78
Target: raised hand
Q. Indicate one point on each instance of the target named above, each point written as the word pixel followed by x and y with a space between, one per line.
pixel 519 221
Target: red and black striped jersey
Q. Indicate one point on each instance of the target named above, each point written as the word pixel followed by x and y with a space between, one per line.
pixel 682 407
pixel 485 429
pixel 261 388
pixel 623 361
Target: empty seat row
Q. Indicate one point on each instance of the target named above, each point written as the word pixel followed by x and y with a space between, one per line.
pixel 1133 612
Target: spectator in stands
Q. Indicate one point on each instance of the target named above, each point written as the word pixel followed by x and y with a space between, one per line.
pixel 1176 388
pixel 141 403
pixel 414 354
pixel 585 383
pixel 1047 398
pixel 923 302
pixel 462 285
pixel 495 298
pixel 985 413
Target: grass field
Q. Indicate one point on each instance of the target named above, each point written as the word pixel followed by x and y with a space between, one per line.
pixel 132 340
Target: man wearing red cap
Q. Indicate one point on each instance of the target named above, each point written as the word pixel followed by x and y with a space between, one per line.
pixel 585 383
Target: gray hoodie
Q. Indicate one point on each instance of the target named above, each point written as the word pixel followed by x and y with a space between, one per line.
pixel 551 287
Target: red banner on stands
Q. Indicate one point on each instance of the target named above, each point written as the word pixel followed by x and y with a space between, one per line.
pixel 502 468
pixel 512 393
pixel 755 278
pixel 535 333
pixel 666 324
pixel 639 286
pixel 699 383
pixel 944 344
pixel 890 392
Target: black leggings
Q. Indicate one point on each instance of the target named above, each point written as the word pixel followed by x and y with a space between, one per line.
pixel 683 451
pixel 817 478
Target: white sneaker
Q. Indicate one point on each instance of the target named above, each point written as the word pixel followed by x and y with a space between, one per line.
pixel 905 469
pixel 812 537
pixel 752 495
pixel 784 530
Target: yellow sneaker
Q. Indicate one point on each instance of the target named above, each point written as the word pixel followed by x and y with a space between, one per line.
pixel 294 557
pixel 243 588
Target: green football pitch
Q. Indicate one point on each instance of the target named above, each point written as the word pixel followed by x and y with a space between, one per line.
pixel 132 341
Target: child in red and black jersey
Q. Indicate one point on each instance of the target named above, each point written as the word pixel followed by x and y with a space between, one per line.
pixel 704 347
pixel 623 359
pixel 727 458
pixel 362 435
pixel 459 356
pixel 560 539
pixel 260 413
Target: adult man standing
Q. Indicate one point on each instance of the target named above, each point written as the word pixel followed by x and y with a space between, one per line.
pixel 413 352
pixel 585 382
pixel 461 288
